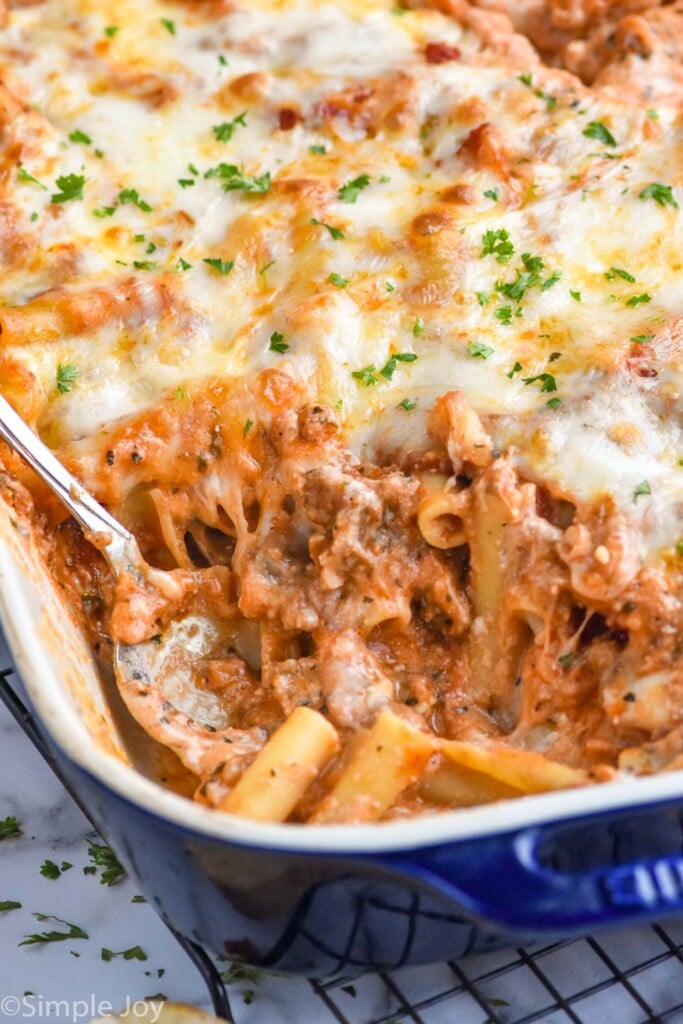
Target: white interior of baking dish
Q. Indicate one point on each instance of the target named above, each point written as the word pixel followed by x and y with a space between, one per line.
pixel 71 700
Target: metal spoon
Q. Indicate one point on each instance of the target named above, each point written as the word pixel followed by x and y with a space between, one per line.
pixel 168 663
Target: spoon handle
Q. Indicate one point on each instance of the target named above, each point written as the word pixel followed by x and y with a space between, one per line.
pixel 122 549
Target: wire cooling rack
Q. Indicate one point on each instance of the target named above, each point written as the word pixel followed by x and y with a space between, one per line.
pixel 632 976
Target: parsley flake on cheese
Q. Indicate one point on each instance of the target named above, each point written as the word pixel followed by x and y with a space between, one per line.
pixel 546 380
pixel 234 179
pixel 221 266
pixel 67 375
pixel 277 342
pixel 478 350
pixel 131 196
pixel 224 132
pixel 366 375
pixel 349 192
pixel 389 367
pixel 70 187
pixel 597 130
pixel 662 194
pixel 497 243
pixel 23 175
pixel 336 233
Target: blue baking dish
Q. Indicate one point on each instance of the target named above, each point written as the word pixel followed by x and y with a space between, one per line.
pixel 320 900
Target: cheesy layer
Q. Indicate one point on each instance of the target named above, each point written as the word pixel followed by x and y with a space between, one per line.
pixel 444 144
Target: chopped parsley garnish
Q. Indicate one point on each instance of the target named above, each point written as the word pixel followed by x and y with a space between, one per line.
pixel 336 233
pixel 70 187
pixel 407 405
pixel 132 196
pixel 337 280
pixel 389 367
pixel 235 179
pixel 366 375
pixel 497 243
pixel 575 295
pixel 247 427
pixel 349 192
pixel 79 136
pixel 105 859
pixel 168 25
pixel 642 339
pixel 515 369
pixel 221 266
pixel 642 488
pixel 104 211
pixel 504 314
pixel 111 30
pixel 224 132
pixel 186 182
pixel 619 272
pixel 597 130
pixel 637 300
pixel 134 953
pixel 554 356
pixel 530 277
pixel 547 381
pixel 9 828
pixel 6 905
pixel 67 375
pixel 483 298
pixel 565 660
pixel 418 327
pixel 492 193
pixel 662 195
pixel 553 403
pixel 144 264
pixel 39 938
pixel 527 79
pixel 222 60
pixel 51 870
pixel 183 264
pixel 550 281
pixel 241 972
pixel 317 150
pixel 277 342
pixel 478 350
pixel 389 286
pixel 23 175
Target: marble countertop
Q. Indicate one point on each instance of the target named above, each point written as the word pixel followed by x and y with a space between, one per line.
pixel 127 954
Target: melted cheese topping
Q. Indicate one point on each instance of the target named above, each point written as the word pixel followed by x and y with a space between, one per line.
pixel 159 110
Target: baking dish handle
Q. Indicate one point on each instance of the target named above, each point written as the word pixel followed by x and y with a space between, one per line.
pixel 502 882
